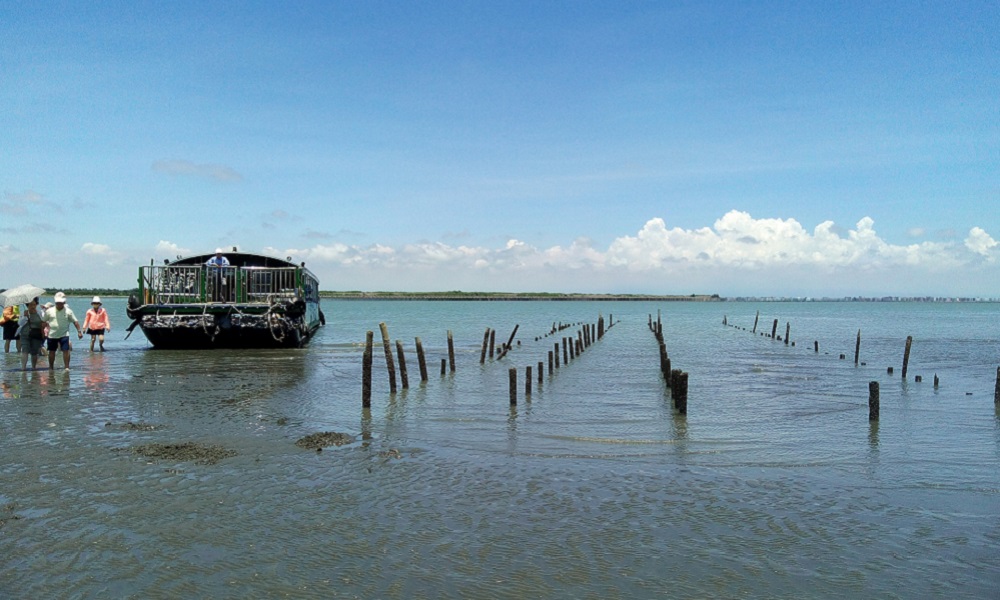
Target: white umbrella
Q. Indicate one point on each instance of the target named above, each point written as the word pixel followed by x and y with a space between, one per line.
pixel 20 294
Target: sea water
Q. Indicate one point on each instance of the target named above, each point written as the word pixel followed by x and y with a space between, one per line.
pixel 774 484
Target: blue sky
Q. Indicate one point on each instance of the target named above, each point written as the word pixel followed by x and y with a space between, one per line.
pixel 740 148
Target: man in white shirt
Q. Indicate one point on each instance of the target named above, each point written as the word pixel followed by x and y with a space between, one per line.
pixel 58 318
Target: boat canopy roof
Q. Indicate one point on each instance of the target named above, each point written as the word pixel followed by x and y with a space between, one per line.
pixel 238 259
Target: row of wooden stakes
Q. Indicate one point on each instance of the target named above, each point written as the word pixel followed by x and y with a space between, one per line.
pixel 676 379
pixel 857 346
pixel 571 347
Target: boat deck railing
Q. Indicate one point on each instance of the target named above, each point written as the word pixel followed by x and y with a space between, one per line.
pixel 201 284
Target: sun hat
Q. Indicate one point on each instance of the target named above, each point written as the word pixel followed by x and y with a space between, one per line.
pixel 60 297
pixel 96 300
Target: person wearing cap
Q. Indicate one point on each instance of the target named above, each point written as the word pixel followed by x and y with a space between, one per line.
pixel 59 318
pixel 96 323
pixel 217 276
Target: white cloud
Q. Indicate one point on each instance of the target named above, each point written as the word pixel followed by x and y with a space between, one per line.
pixel 170 249
pixel 96 249
pixel 187 168
pixel 979 241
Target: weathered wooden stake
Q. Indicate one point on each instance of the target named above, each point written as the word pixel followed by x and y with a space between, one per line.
pixel 493 341
pixel 486 342
pixel 873 401
pixel 788 330
pixel 857 348
pixel 774 329
pixel 366 372
pixel 565 351
pixel 444 366
pixel 541 372
pixel 755 319
pixel 510 340
pixel 550 363
pixel 402 365
pixel 527 383
pixel 512 375
pixel 421 361
pixel 556 346
pixel 389 363
pixel 937 381
pixel 675 386
pixel 451 351
pixel 682 394
pixel 996 392
pixel 816 346
pixel 906 354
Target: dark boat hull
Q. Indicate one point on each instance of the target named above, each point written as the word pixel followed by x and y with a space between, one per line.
pixel 224 327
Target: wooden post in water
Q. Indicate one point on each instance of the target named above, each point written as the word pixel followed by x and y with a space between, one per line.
pixel 551 366
pixel 389 363
pixel 565 351
pixel 493 341
pixel 527 382
pixel 600 326
pixel 512 375
pixel 444 366
pixel 755 319
pixel 421 361
pixel 682 394
pixel 774 329
pixel 906 354
pixel 510 340
pixel 541 372
pixel 857 349
pixel 873 401
pixel 788 331
pixel 938 381
pixel 451 351
pixel 996 391
pixel 556 347
pixel 816 346
pixel 486 341
pixel 675 386
pixel 402 365
pixel 366 372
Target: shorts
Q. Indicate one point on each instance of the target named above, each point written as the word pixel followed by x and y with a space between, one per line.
pixel 32 345
pixel 59 344
pixel 93 331
pixel 10 330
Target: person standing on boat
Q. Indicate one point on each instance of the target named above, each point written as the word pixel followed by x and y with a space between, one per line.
pixel 32 331
pixel 220 263
pixel 58 318
pixel 9 321
pixel 97 323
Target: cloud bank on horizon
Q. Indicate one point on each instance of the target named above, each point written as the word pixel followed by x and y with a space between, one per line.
pixel 737 255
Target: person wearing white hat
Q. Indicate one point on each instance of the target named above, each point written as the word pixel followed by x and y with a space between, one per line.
pixel 97 323
pixel 59 317
pixel 217 276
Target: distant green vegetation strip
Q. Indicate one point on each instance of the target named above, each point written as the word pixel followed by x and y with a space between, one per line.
pixel 454 295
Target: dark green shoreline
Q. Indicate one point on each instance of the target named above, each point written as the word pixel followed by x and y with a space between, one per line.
pixel 527 296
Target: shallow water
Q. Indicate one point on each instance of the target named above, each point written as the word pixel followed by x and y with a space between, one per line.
pixel 774 484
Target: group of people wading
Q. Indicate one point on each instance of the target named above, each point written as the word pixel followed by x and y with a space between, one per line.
pixel 38 329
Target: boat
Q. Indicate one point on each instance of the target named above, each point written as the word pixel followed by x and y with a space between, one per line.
pixel 256 301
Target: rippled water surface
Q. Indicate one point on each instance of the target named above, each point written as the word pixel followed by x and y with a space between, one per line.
pixel 773 485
